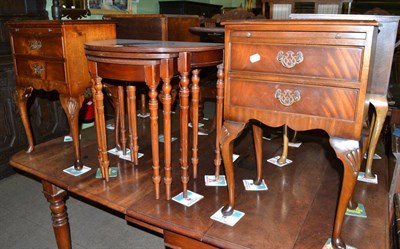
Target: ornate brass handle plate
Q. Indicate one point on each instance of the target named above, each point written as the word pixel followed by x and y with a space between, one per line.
pixel 287 97
pixel 289 59
pixel 35 44
pixel 38 69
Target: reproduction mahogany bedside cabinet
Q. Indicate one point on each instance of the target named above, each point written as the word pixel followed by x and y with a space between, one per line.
pixel 305 74
pixel 49 55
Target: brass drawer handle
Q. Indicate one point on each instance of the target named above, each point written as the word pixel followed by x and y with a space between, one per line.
pixel 38 69
pixel 289 59
pixel 287 97
pixel 35 44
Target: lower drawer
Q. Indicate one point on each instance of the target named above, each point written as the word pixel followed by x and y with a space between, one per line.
pixel 41 69
pixel 315 101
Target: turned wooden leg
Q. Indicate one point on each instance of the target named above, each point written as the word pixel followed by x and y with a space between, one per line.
pixel 381 107
pixel 285 146
pixel 257 137
pixel 112 93
pixel 133 136
pixel 98 99
pixel 166 75
pixel 218 117
pixel 195 120
pixel 184 68
pixel 71 106
pixel 349 153
pixel 22 96
pixel 230 131
pixel 152 80
pixel 59 215
pixel 143 103
pixel 122 123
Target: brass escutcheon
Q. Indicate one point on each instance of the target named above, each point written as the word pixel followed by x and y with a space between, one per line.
pixel 287 97
pixel 35 44
pixel 38 69
pixel 289 59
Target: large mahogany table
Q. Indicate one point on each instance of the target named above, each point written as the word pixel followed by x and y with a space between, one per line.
pixel 149 61
pixel 296 212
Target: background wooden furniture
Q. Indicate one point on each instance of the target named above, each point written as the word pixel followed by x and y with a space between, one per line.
pixel 380 73
pixel 11 128
pixel 162 27
pixel 189 8
pixel 49 55
pixel 391 6
pixel 285 81
pixel 281 9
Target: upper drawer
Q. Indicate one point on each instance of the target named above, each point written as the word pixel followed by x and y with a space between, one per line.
pixel 298 60
pixel 38 42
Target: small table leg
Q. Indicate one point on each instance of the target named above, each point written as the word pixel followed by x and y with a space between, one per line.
pixel 218 117
pixel 166 75
pixel 152 81
pixel 112 93
pixel 98 99
pixel 133 136
pixel 195 120
pixel 184 68
pixel 59 215
pixel 121 112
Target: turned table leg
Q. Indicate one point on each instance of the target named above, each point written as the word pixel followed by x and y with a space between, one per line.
pixel 218 117
pixel 152 75
pixel 184 68
pixel 166 75
pixel 71 106
pixel 122 123
pixel 195 120
pixel 98 99
pixel 112 93
pixel 23 94
pixel 230 131
pixel 59 215
pixel 133 135
pixel 348 152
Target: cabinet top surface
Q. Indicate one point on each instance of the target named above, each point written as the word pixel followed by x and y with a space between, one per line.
pixel 320 23
pixel 47 23
pixel 380 18
pixel 151 46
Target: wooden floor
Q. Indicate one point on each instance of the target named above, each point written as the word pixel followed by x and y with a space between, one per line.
pixel 297 211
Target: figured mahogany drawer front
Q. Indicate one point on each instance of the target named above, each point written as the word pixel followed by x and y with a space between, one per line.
pixel 40 43
pixel 330 62
pixel 291 98
pixel 41 69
